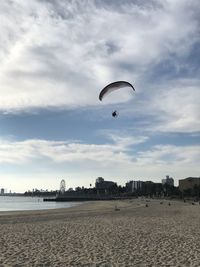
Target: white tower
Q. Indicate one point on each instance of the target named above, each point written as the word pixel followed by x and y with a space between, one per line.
pixel 62 187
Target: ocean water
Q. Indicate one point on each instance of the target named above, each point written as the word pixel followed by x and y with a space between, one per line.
pixel 15 203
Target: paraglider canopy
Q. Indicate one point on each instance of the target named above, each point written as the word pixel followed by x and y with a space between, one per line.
pixel 111 87
pixel 114 86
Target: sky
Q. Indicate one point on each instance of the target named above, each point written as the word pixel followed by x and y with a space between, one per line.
pixel 57 55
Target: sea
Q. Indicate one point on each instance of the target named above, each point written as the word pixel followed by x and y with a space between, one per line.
pixel 17 203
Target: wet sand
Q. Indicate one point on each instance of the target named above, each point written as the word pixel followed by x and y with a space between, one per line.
pixel 96 234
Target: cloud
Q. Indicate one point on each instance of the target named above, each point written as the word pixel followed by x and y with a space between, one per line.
pixel 173 107
pixel 170 155
pixel 122 151
pixel 60 54
pixel 15 152
pixel 179 109
pixel 20 152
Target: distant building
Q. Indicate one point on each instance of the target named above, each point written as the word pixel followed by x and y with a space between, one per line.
pixel 62 186
pixel 168 181
pixel 134 186
pixel 101 184
pixel 2 191
pixel 188 183
pixel 144 188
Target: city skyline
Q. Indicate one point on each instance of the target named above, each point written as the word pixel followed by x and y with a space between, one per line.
pixel 56 56
pixel 63 187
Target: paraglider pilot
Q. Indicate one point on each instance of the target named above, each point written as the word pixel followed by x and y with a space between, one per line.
pixel 115 113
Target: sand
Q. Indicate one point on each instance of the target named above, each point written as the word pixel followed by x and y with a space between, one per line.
pixel 96 234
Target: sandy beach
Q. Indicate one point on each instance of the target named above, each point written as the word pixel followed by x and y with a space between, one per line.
pixel 96 234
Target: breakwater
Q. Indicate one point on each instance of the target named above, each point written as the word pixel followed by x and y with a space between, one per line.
pixel 82 198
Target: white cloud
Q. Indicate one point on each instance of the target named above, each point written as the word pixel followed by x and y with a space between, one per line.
pixel 171 107
pixel 61 54
pixel 20 152
pixel 120 152
pixel 15 152
pixel 170 155
pixel 176 108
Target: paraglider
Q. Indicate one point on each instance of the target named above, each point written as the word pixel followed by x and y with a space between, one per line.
pixel 112 87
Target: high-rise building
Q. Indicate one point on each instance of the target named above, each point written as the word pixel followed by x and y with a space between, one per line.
pixel 2 191
pixel 133 186
pixel 168 181
pixel 102 184
pixel 62 186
